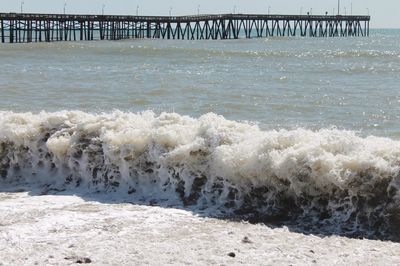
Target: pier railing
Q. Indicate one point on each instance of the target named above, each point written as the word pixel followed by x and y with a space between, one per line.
pixel 23 27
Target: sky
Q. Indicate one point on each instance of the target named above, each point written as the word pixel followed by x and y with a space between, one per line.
pixel 384 13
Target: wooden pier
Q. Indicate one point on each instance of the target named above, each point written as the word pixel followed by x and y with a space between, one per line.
pixel 23 27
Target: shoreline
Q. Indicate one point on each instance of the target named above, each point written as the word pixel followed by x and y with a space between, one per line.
pixel 59 230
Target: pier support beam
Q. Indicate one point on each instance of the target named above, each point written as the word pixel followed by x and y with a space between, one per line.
pixel 3 39
pixel 47 27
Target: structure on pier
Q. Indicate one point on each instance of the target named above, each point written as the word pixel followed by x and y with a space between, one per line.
pixel 18 28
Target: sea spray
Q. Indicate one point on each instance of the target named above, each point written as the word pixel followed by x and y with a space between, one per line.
pixel 330 177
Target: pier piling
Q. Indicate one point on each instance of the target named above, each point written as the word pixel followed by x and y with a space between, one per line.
pixel 18 28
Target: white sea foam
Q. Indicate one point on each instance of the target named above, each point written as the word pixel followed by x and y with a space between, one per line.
pixel 209 161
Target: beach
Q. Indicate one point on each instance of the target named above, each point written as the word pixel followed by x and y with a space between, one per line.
pixel 62 229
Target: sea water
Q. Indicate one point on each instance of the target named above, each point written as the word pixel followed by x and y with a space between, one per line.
pixel 296 132
pixel 350 83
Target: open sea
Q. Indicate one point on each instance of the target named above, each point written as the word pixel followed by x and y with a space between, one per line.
pixel 350 83
pixel 119 150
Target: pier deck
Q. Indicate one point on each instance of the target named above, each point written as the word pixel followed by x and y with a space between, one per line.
pixel 23 27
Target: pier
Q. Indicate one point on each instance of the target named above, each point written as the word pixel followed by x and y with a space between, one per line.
pixel 23 27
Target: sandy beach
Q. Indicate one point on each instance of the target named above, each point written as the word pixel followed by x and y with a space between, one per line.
pixel 65 229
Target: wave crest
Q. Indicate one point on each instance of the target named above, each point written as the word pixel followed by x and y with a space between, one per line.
pixel 327 177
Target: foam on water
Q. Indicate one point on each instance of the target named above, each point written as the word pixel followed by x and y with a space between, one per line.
pixel 329 177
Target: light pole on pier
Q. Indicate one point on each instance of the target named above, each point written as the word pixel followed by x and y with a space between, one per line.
pixel 198 10
pixel 65 5
pixel 22 6
pixel 338 7
pixel 269 10
pixel 301 10
pixel 367 11
pixel 137 10
pixel 351 8
pixel 170 11
pixel 234 9
pixel 102 9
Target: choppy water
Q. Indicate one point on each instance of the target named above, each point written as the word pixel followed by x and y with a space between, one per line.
pixel 320 144
pixel 351 83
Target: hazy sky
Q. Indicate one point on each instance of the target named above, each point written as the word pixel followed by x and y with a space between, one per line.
pixel 385 13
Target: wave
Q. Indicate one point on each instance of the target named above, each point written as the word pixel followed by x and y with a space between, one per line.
pixel 328 177
pixel 201 51
pixel 153 48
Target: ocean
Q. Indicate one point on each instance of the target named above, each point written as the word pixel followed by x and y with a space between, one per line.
pixel 249 151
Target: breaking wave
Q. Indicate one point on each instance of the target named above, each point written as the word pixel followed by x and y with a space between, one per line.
pixel 329 177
